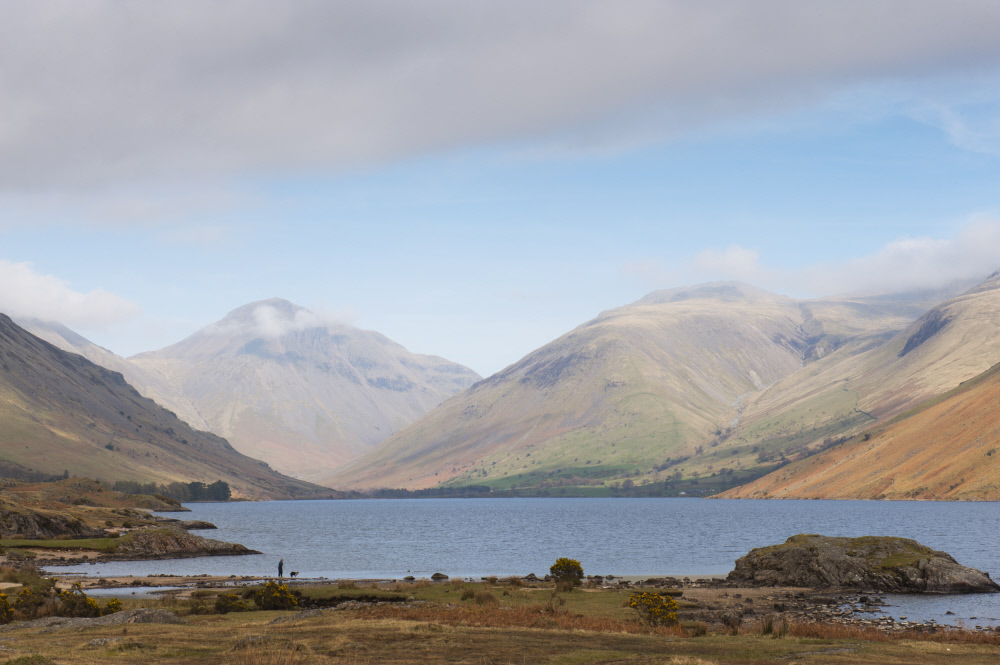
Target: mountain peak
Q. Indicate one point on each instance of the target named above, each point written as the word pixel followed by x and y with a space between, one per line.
pixel 731 291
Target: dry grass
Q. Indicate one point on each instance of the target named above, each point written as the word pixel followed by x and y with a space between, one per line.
pixel 828 631
pixel 537 615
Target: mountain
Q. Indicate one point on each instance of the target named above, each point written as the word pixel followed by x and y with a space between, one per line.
pixel 870 380
pixel 61 412
pixel 303 394
pixel 638 387
pixel 947 448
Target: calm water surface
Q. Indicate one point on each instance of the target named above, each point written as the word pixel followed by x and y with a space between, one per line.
pixel 649 537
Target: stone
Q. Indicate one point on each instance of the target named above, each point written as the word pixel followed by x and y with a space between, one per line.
pixel 870 563
pixel 438 577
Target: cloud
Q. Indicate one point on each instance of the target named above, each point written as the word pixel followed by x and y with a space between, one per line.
pixel 92 91
pixel 29 294
pixel 273 321
pixel 906 264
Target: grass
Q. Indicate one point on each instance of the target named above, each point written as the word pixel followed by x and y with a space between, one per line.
pixel 98 544
pixel 497 623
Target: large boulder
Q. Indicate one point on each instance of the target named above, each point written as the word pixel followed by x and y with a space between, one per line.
pixel 870 563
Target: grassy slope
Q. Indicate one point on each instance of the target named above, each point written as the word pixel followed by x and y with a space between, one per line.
pixel 640 384
pixel 947 448
pixel 60 412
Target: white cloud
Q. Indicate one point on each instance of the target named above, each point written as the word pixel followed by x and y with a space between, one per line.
pixel 91 92
pixel 29 294
pixel 902 265
pixel 271 322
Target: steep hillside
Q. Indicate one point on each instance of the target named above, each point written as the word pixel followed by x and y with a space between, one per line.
pixel 648 384
pixel 300 393
pixel 149 384
pixel 947 448
pixel 61 412
pixel 871 379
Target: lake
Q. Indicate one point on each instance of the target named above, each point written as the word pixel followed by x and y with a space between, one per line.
pixel 651 537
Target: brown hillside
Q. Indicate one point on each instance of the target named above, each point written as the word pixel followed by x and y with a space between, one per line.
pixel 948 448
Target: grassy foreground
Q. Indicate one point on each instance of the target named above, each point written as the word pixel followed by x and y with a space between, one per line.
pixel 493 624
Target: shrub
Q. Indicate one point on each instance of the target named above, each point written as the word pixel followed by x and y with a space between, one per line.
pixel 486 597
pixel 275 596
pixel 468 592
pixel 654 609
pixel 74 603
pixel 6 613
pixel 229 602
pixel 514 581
pixel 112 606
pixel 567 570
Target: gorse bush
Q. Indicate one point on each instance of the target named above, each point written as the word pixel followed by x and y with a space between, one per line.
pixel 112 606
pixel 229 602
pixel 6 612
pixel 654 609
pixel 567 570
pixel 275 596
pixel 74 603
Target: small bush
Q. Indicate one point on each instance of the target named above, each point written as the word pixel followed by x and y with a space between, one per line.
pixel 486 597
pixel 514 581
pixel 567 570
pixel 492 579
pixel 112 606
pixel 6 613
pixel 654 609
pixel 275 596
pixel 695 628
pixel 468 592
pixel 229 602
pixel 74 603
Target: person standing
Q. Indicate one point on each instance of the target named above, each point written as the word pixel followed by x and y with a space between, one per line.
pixel 281 567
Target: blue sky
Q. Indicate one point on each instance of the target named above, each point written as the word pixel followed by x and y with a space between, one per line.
pixel 475 204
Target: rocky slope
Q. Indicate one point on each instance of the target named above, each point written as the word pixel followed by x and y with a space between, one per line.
pixel 663 379
pixel 61 412
pixel 870 563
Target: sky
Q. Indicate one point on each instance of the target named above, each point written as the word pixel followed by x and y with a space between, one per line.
pixel 475 179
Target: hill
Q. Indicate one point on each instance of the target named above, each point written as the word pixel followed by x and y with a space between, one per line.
pixel 61 412
pixel 947 448
pixel 636 391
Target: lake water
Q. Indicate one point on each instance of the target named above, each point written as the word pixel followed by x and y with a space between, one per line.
pixel 644 537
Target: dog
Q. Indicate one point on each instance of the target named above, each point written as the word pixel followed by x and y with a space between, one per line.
pixel 294 573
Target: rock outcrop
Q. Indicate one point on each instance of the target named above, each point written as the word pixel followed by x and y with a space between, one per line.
pixel 19 522
pixel 171 543
pixel 870 563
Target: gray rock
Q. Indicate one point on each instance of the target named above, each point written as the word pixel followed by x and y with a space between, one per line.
pixel 141 615
pixel 870 563
pixel 437 577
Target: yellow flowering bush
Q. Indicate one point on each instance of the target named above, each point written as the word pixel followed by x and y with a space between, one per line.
pixel 112 606
pixel 6 612
pixel 567 570
pixel 275 596
pixel 74 603
pixel 654 609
